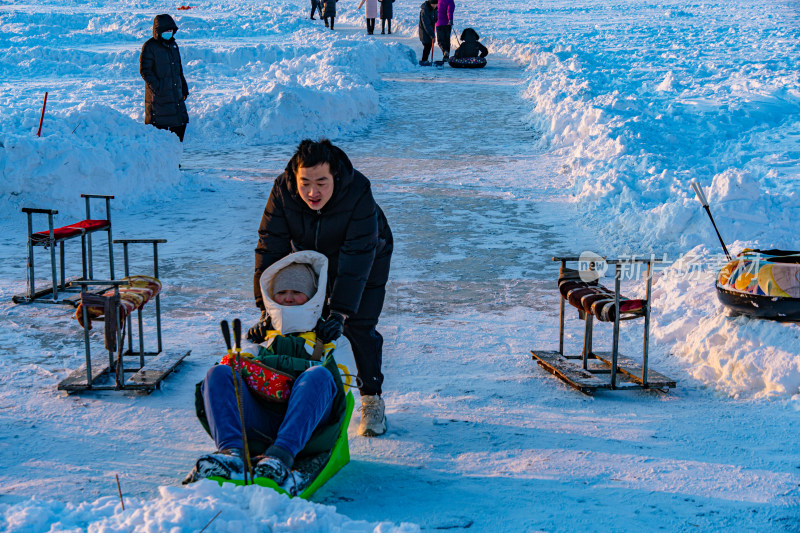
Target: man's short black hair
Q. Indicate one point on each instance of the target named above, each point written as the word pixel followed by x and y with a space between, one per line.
pixel 312 153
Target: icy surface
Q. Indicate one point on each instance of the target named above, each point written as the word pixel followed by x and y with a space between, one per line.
pixel 582 133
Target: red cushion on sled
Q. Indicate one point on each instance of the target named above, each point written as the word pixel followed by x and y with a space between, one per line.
pixel 72 230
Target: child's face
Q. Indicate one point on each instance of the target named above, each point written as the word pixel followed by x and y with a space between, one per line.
pixel 290 297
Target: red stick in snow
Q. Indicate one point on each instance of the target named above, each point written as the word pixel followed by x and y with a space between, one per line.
pixel 41 119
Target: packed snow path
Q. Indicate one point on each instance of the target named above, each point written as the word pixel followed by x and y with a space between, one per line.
pixel 479 437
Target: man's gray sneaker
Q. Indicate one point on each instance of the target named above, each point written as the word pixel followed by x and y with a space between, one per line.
pixel 373 417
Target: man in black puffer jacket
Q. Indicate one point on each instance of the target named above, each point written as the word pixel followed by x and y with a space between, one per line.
pixel 165 87
pixel 322 203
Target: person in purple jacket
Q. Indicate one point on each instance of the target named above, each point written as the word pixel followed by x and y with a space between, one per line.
pixel 445 25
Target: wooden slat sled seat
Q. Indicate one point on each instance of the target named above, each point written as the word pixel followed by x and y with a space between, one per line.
pixel 595 299
pixel 42 238
pixel 138 291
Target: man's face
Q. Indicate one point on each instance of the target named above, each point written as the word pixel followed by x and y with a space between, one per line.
pixel 290 297
pixel 315 185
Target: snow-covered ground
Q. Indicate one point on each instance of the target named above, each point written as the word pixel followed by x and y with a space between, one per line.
pixel 583 133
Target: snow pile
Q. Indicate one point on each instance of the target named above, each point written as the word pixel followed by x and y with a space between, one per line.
pixel 740 356
pixel 187 510
pixel 637 111
pixel 90 149
pixel 293 93
pixel 255 76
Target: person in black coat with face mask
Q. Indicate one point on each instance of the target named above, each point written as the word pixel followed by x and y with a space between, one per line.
pixel 165 87
pixel 322 203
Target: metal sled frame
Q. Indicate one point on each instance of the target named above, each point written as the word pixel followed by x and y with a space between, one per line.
pixel 70 293
pixel 625 373
pixel 152 367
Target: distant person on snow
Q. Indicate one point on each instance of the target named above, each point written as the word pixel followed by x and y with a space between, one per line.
pixel 309 422
pixel 329 12
pixel 371 13
pixel 470 47
pixel 427 28
pixel 316 6
pixel 165 89
pixel 444 26
pixel 322 203
pixel 386 15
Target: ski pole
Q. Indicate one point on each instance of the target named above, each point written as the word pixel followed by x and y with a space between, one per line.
pixel 41 119
pixel 455 34
pixel 237 343
pixel 226 334
pixel 698 190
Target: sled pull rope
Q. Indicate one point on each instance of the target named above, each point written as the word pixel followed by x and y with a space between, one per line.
pixel 237 343
pixel 698 190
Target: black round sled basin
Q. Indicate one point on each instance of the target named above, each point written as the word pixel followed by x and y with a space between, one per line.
pixel 468 62
pixel 760 306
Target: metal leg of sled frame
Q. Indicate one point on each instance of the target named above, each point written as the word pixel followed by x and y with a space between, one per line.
pixel 52 245
pixel 588 326
pixel 86 343
pixel 615 347
pixel 561 319
pixel 31 290
pixel 158 296
pixel 108 199
pixel 646 346
pixel 155 243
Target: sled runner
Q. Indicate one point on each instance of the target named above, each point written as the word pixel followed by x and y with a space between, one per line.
pixel 468 62
pixel 115 308
pixel 310 473
pixel 581 289
pixel 52 237
pixel 762 284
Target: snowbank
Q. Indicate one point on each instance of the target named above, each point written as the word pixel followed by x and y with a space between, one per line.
pixel 255 76
pixel 187 510
pixel 740 356
pixel 637 112
pixel 89 149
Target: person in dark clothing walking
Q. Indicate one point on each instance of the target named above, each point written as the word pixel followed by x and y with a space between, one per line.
pixel 427 28
pixel 165 87
pixel 386 15
pixel 470 46
pixel 322 203
pixel 329 12
pixel 316 6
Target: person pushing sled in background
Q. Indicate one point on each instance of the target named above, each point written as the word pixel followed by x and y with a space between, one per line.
pixel 299 405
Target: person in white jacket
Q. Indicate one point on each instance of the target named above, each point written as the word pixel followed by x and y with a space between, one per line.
pixel 371 14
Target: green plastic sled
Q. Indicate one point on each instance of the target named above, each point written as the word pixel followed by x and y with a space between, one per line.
pixel 340 456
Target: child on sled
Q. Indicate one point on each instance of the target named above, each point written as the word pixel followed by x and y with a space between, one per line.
pixel 470 45
pixel 278 431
